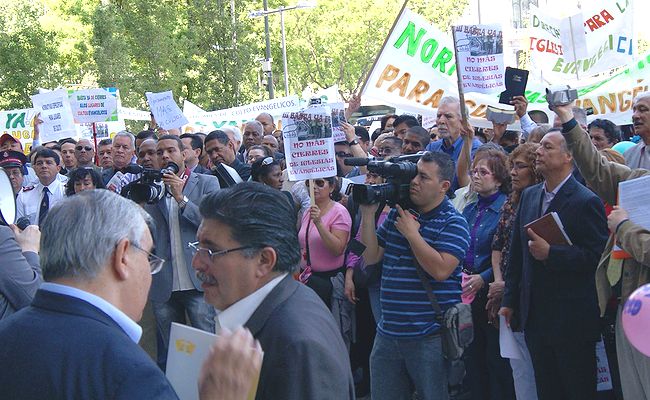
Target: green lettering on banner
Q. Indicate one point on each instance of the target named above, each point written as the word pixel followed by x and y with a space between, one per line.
pixel 428 50
pixel 14 119
pixel 413 41
pixel 443 58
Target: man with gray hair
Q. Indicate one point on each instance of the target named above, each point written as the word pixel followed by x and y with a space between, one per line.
pixel 253 133
pixel 123 153
pixel 80 331
pixel 449 123
pixel 639 155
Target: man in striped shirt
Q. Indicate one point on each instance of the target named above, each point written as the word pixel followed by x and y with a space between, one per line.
pixel 408 350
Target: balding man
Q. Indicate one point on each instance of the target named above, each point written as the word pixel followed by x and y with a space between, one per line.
pixel 84 152
pixel 639 155
pixel 266 120
pixel 253 133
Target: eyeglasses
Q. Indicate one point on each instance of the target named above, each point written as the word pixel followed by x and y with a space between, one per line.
pixel 343 154
pixel 87 148
pixel 155 262
pixel 481 172
pixel 319 182
pixel 201 252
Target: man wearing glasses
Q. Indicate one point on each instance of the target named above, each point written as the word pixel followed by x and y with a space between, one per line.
pixel 80 332
pixel 84 152
pixel 246 254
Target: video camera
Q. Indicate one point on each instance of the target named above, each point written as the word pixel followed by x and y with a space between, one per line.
pixel 398 171
pixel 149 187
pixel 560 96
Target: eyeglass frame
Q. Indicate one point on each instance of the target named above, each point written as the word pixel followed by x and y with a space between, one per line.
pixel 194 246
pixel 152 258
pixel 86 148
pixel 317 182
pixel 481 172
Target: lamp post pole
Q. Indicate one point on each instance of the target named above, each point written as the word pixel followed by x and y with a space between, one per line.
pixel 269 73
pixel 284 54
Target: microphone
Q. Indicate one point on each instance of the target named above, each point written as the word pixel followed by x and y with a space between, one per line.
pixel 356 161
pixel 22 223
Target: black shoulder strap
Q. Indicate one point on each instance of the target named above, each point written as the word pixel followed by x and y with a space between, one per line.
pixel 428 288
pixel 307 243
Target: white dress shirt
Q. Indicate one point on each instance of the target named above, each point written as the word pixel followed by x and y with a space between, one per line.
pixel 237 314
pixel 549 196
pixel 133 330
pixel 28 202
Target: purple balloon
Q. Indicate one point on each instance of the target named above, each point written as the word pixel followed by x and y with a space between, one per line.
pixel 636 319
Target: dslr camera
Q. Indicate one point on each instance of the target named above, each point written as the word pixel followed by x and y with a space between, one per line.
pixel 149 188
pixel 399 172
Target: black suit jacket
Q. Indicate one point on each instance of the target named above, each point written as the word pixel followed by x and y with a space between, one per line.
pixel 557 297
pixel 304 354
pixel 62 347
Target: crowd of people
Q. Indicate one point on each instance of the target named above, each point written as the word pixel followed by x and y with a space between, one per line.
pixel 334 292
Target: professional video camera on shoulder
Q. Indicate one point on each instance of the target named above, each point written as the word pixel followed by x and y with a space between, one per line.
pixel 398 172
pixel 149 187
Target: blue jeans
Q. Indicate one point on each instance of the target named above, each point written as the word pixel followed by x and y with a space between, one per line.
pixel 375 306
pixel 200 313
pixel 399 365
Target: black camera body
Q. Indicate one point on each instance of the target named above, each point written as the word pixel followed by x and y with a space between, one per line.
pixel 149 188
pixel 398 171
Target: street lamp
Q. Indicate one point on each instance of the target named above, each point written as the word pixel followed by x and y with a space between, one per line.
pixel 265 13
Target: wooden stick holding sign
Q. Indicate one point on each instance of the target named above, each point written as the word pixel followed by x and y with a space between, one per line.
pixel 461 94
pixel 312 199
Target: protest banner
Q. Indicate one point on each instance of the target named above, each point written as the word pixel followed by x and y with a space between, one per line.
pixel 479 53
pixel 94 105
pixel 19 124
pixel 338 116
pixel 608 29
pixel 56 114
pixel 206 121
pixel 133 114
pixel 308 143
pixel 404 76
pixel 165 110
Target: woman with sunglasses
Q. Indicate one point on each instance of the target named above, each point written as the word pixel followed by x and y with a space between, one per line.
pixel 81 179
pixel 489 375
pixel 324 235
pixel 523 175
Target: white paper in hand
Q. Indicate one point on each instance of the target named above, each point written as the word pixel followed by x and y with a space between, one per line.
pixel 188 347
pixel 56 114
pixel 167 113
pixel 507 343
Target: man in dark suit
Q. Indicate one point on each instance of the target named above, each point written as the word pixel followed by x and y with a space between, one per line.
pixel 193 152
pixel 176 291
pixel 78 339
pixel 550 289
pixel 246 254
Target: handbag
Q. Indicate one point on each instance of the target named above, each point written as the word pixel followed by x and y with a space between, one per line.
pixel 456 322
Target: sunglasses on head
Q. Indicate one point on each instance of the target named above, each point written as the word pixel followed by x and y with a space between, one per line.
pixel 87 148
pixel 267 161
pixel 319 182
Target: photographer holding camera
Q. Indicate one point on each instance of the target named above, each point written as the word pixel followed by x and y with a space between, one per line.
pixel 175 290
pixel 408 345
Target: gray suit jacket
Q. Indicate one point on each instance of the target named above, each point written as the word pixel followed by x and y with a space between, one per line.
pixel 196 188
pixel 304 354
pixel 20 276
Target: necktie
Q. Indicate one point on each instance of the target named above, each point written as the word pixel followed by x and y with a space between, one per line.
pixel 45 206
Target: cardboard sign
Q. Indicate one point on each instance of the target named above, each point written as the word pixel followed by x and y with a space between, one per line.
pixel 167 113
pixel 56 114
pixel 479 52
pixel 308 143
pixel 94 105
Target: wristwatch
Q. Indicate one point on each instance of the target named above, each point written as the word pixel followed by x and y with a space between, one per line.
pixel 183 202
pixel 352 143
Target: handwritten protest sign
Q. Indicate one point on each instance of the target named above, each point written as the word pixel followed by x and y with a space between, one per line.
pixel 56 115
pixel 479 50
pixel 94 105
pixel 308 144
pixel 608 29
pixel 167 113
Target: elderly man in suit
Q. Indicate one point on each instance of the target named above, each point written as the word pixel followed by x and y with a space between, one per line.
pixel 176 290
pixel 246 253
pixel 550 289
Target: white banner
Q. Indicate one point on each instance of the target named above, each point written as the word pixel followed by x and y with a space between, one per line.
pixel 207 121
pixel 479 49
pixel 416 69
pixel 608 29
pixel 133 114
pixel 308 143
pixel 165 110
pixel 94 105
pixel 56 115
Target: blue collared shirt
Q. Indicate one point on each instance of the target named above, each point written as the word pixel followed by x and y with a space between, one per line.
pixel 454 152
pixel 132 329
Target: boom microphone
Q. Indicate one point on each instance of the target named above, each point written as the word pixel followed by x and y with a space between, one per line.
pixel 356 161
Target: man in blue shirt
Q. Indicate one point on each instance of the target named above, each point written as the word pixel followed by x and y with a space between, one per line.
pixel 408 346
pixel 449 123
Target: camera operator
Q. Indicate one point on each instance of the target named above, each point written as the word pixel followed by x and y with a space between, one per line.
pixel 408 345
pixel 176 290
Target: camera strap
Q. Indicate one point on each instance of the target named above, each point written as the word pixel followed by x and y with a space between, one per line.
pixel 429 289
pixel 307 257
